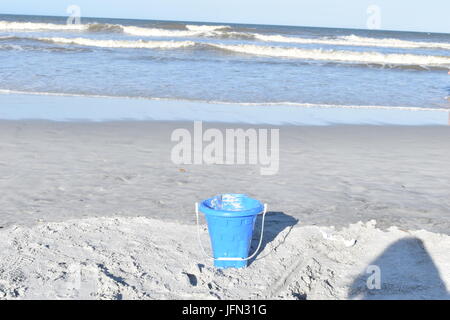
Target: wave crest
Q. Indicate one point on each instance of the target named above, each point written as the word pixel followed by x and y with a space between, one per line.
pixel 33 26
pixel 354 40
pixel 140 44
pixel 222 32
pixel 360 57
pixel 338 55
pixel 206 28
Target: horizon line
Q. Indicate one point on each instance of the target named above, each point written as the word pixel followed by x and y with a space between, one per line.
pixel 235 23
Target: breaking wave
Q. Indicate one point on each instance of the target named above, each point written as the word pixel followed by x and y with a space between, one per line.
pixel 206 28
pixel 393 43
pixel 15 47
pixel 353 40
pixel 221 32
pixel 339 55
pixel 33 26
pixel 342 56
pixel 140 44
pixel 189 31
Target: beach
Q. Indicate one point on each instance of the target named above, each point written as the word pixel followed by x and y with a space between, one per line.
pixel 89 192
pixel 333 175
pixel 143 258
pixel 111 130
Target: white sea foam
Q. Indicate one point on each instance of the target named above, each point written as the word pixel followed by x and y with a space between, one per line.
pixel 120 43
pixel 339 55
pixel 206 28
pixel 346 56
pixel 132 30
pixel 222 31
pixel 33 26
pixel 192 30
pixel 354 40
pixel 392 43
pixel 156 32
pixel 249 104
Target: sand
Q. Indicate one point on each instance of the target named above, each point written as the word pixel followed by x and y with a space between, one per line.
pixel 336 175
pixel 16 105
pixel 142 258
pixel 104 200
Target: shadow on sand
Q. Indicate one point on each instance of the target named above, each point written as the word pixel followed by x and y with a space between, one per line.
pixel 406 271
pixel 275 223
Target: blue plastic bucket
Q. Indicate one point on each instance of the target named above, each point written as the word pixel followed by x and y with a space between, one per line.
pixel 231 219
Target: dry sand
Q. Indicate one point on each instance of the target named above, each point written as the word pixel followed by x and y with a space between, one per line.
pixel 104 198
pixel 142 258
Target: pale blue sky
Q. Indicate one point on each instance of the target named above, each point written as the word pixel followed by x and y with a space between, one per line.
pixel 412 15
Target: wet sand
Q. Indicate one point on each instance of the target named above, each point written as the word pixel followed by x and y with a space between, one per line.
pixel 333 175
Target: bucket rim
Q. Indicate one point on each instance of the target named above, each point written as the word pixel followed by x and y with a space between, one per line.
pixel 207 210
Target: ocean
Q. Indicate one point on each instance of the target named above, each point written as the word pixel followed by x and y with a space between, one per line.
pixel 224 63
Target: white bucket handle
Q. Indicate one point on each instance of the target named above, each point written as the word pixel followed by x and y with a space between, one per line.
pixel 226 258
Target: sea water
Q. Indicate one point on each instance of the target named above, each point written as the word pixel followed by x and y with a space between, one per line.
pixel 235 64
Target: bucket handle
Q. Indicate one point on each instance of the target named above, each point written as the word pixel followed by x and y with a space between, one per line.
pixel 226 258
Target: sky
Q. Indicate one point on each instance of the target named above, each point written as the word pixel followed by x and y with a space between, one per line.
pixel 405 15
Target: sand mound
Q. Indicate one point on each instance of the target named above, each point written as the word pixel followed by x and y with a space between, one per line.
pixel 141 258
